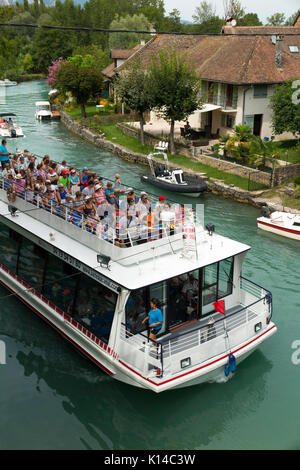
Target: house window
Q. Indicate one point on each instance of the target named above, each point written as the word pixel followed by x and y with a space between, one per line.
pixel 260 91
pixel 230 121
pixel 293 49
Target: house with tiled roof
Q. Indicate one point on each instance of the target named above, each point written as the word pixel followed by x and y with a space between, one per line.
pixel 239 69
pixel 119 56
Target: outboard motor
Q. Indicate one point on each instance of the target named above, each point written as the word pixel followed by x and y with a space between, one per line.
pixel 13 133
pixel 265 211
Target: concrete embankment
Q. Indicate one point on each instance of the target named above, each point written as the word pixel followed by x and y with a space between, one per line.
pixel 216 186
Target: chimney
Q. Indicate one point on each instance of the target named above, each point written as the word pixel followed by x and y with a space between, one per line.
pixel 278 51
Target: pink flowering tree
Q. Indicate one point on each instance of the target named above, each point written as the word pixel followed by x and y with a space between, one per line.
pixel 53 71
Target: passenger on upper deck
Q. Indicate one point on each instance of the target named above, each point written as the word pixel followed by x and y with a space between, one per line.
pixel 117 181
pixel 83 175
pixel 64 179
pixel 74 181
pixel 89 189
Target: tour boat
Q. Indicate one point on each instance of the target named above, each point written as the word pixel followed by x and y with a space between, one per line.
pixel 281 223
pixel 173 180
pixel 7 82
pixel 8 128
pixel 43 110
pixel 96 293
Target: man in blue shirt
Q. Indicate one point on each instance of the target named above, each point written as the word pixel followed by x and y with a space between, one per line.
pixel 4 154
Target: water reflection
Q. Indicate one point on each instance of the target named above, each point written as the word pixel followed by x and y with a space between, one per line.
pixel 105 407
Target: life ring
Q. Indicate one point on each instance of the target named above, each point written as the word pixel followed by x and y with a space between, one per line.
pixel 11 194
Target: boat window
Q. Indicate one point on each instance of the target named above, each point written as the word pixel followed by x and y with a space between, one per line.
pixel 95 307
pixel 209 287
pixel 217 283
pixel 31 264
pixel 225 277
pixel 60 283
pixel 9 240
pixel 136 309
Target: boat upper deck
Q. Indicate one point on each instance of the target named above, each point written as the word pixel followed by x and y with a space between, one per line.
pixel 133 267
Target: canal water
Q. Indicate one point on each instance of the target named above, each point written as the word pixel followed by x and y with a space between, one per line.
pixel 53 398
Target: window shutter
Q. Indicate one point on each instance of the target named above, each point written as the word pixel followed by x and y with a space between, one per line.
pixel 249 121
pixel 235 97
pixel 222 98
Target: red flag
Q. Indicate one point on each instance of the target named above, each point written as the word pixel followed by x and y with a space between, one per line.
pixel 219 306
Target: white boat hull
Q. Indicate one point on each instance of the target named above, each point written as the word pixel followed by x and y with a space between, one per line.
pixel 6 133
pixel 108 360
pixel 285 229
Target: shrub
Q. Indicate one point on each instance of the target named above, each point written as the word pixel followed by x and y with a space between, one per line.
pixel 297 180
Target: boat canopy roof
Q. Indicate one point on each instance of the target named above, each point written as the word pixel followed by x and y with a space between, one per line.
pixel 42 103
pixel 7 114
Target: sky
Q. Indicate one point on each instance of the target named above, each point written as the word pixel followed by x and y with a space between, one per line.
pixel 263 8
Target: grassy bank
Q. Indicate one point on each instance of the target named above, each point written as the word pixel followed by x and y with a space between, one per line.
pixel 114 134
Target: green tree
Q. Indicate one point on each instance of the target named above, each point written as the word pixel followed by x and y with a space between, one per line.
pixel 28 64
pixel 276 20
pixel 285 105
pixel 175 87
pixel 263 152
pixel 129 40
pixel 82 82
pixel 291 20
pixel 250 19
pixel 134 89
pixel 49 45
pixel 234 9
pixel 204 12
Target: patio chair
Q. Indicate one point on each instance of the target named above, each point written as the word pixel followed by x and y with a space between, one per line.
pixel 163 146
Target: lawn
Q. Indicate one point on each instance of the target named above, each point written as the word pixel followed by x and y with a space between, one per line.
pixel 288 150
pixel 114 134
pixel 75 112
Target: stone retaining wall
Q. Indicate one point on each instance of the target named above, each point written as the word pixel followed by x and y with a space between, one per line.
pixel 236 169
pixel 285 173
pixel 214 185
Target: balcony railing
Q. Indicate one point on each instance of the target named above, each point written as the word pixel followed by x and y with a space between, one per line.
pixel 203 342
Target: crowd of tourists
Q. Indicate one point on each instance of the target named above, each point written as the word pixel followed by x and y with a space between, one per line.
pixel 106 208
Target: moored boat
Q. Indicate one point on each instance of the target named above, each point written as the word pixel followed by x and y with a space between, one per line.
pixel 281 223
pixel 8 128
pixel 43 110
pixel 7 82
pixel 173 180
pixel 96 291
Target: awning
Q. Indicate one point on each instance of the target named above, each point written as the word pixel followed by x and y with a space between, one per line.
pixel 208 107
pixel 229 110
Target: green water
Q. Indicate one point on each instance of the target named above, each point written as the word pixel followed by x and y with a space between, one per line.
pixel 53 398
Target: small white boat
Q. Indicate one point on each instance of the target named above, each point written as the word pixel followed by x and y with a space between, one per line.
pixel 173 180
pixel 8 128
pixel 7 82
pixel 281 223
pixel 43 110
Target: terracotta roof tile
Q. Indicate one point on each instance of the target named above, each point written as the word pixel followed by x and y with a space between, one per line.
pixel 230 59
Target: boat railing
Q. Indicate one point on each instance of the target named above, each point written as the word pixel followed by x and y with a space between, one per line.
pixel 200 344
pixel 182 231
